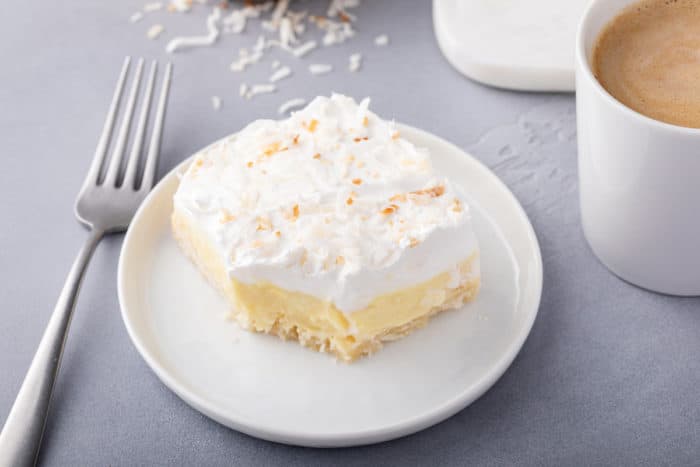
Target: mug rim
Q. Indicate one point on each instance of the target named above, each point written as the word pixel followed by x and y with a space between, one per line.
pixel 583 66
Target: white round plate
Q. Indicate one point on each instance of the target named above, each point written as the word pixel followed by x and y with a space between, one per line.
pixel 280 391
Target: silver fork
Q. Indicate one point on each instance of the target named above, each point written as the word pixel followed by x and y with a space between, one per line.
pixel 104 205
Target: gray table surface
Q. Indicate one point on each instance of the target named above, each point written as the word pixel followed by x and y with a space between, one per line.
pixel 610 374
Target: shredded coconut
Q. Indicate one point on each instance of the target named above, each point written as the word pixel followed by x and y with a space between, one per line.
pixel 275 64
pixel 260 89
pixel 242 89
pixel 280 74
pixel 355 62
pixel 198 41
pixel 320 68
pixel 155 31
pixel 246 58
pixel 304 49
pixel 153 6
pixel 180 6
pixel 216 102
pixel 238 19
pixel 381 40
pixel 290 104
pixel 136 17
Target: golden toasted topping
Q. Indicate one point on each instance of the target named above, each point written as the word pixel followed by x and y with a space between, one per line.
pixel 249 164
pixel 350 158
pixel 339 260
pixel 274 148
pixel 317 156
pixel 348 201
pixel 226 217
pixel 396 135
pixel 199 162
pixel 365 121
pixel 360 164
pixel 392 208
pixel 401 197
pixel 357 181
pixel 295 212
pixel 278 234
pixel 263 224
pixel 364 138
pixel 433 192
pixel 413 242
pixel 296 139
pixel 312 125
pixel 457 206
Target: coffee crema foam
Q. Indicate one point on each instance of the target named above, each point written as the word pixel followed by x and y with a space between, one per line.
pixel 648 58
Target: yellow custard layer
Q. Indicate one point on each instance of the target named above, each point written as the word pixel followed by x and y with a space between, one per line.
pixel 316 323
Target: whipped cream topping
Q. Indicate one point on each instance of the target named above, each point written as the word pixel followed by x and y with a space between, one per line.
pixel 332 202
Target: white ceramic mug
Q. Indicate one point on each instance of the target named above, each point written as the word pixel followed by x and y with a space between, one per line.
pixel 639 179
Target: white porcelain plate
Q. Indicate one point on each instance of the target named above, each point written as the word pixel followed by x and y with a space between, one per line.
pixel 282 392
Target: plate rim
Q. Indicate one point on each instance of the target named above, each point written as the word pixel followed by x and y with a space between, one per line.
pixel 372 435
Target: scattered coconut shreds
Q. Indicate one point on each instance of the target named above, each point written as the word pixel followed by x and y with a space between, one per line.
pixel 381 40
pixel 260 89
pixel 153 6
pixel 355 62
pixel 275 64
pixel 304 49
pixel 155 31
pixel 290 104
pixel 198 41
pixel 136 17
pixel 236 22
pixel 280 74
pixel 340 8
pixel 336 32
pixel 320 69
pixel 242 89
pixel 277 14
pixel 180 6
pixel 216 102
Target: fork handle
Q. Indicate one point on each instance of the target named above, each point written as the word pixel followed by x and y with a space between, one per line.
pixel 20 438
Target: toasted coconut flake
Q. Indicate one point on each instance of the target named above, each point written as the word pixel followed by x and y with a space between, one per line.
pixel 271 149
pixel 155 31
pixel 198 41
pixel 317 156
pixel 339 260
pixel 152 6
pixel 295 212
pixel 400 197
pixel 355 62
pixel 290 104
pixel 312 125
pixel 349 201
pixel 280 74
pixel 136 17
pixel 357 181
pixel 381 40
pixel 365 121
pixel 396 135
pixel 320 68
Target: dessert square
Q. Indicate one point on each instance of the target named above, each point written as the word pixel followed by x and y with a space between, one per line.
pixel 327 228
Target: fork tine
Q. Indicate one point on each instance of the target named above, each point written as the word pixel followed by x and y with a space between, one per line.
pixel 120 145
pixel 149 172
pixel 137 145
pixel 102 145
